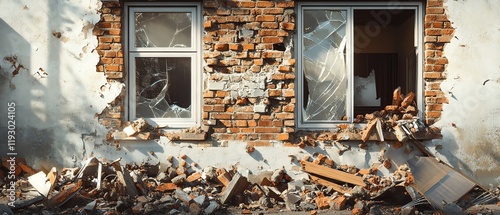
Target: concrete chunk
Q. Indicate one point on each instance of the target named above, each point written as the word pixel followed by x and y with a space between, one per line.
pixel 237 185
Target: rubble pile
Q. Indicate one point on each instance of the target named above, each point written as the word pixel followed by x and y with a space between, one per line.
pixel 102 187
pixel 140 129
pixel 422 185
pixel 396 122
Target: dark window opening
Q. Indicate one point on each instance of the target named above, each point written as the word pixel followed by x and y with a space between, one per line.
pixel 384 57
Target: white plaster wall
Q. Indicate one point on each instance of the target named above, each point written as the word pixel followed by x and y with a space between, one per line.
pixel 56 109
pixel 55 112
pixel 473 90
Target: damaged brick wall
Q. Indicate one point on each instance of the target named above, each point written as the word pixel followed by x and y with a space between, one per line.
pixel 247 50
pixel 249 69
pixel 109 35
pixel 438 32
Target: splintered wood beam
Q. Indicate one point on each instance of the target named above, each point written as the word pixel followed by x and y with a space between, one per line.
pixel 327 183
pixel 334 174
pixel 380 132
pixel 125 178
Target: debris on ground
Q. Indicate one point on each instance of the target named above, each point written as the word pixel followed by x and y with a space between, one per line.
pixel 100 187
pixel 422 185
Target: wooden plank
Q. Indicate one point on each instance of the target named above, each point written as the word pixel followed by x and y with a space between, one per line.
pixel 380 132
pixel 237 185
pixel 332 173
pixel 327 183
pixel 125 178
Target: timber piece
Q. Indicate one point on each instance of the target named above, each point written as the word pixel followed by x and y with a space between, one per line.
pixel 64 195
pixel 327 183
pixel 380 132
pixel 237 185
pixel 125 178
pixel 332 173
pixel 368 130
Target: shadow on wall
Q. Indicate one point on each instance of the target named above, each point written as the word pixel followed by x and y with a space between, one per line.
pixel 15 60
pixel 51 130
pixel 471 132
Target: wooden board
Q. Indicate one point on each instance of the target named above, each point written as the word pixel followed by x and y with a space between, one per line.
pixel 334 174
pixel 327 183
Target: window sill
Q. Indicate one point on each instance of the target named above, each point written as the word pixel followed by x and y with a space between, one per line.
pixel 173 136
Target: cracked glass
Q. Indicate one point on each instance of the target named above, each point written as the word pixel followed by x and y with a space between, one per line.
pixel 324 65
pixel 163 29
pixel 163 87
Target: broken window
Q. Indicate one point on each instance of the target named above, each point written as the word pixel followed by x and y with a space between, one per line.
pixel 352 57
pixel 171 29
pixel 163 56
pixel 163 87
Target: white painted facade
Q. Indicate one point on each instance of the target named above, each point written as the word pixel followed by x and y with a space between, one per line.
pixel 473 90
pixel 58 94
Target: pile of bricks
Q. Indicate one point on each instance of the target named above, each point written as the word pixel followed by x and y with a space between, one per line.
pixel 182 187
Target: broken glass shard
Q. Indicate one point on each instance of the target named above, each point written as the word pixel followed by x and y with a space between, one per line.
pixel 324 66
pixel 163 87
pixel 165 29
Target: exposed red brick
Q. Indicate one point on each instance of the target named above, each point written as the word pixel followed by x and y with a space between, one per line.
pixel 265 4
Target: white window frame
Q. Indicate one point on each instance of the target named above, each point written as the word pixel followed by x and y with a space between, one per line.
pixel 193 52
pixel 350 7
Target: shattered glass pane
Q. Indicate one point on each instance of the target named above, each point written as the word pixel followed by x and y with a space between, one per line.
pixel 163 87
pixel 324 64
pixel 166 29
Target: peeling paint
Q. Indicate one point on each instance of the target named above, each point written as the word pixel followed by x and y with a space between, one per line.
pixel 59 95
